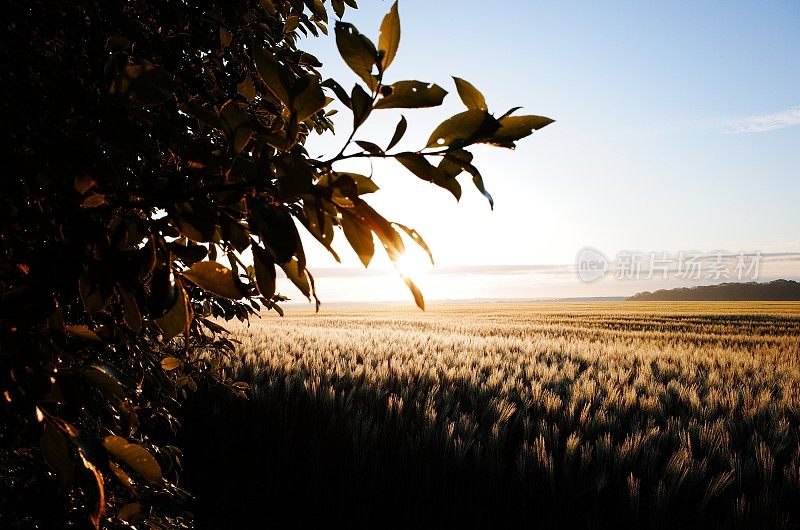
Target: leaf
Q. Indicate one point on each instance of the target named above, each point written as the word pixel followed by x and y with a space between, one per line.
pixel 513 128
pixel 369 147
pixel 55 450
pixel 214 278
pixel 83 332
pixel 338 7
pixel 459 160
pixel 98 513
pixel 310 100
pixel 94 200
pixel 136 456
pixel 273 74
pixel 145 83
pixel 122 477
pixel 470 95
pixel 236 125
pixel 84 183
pixel 297 276
pixel 176 320
pixel 265 271
pixel 104 381
pixel 225 37
pixel 419 165
pixel 463 128
pixel 359 236
pixel 418 299
pixel 357 51
pixel 388 236
pixel 413 234
pixel 389 39
pixel 130 310
pixel 129 512
pixel 213 326
pixel 246 88
pixel 339 91
pixel 362 105
pixel 399 131
pixel 411 95
pixel 170 363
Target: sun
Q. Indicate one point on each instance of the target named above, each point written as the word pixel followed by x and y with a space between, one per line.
pixel 413 264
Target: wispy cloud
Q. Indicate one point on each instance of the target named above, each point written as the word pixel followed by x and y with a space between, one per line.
pixel 765 122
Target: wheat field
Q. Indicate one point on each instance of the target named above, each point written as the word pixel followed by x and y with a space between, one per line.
pixel 559 415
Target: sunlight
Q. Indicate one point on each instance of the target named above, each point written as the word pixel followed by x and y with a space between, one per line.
pixel 413 264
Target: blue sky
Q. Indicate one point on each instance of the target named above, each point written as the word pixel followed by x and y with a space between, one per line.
pixel 678 128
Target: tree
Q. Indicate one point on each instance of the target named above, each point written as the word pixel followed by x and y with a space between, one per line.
pixel 156 179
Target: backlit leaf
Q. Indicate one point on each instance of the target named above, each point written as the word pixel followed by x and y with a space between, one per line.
pixel 265 271
pixel 470 95
pixel 357 51
pixel 361 104
pixel 413 234
pixel 214 278
pixel 418 298
pixel 136 456
pixel 170 363
pixel 399 131
pixel 359 236
pixel 412 95
pixel 298 277
pixel 175 321
pixel 389 39
pixel 463 128
pixel 273 74
pixel 513 128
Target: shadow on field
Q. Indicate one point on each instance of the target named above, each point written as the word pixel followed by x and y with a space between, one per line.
pixel 304 456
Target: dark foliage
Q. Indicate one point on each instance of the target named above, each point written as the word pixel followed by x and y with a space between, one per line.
pixel 146 142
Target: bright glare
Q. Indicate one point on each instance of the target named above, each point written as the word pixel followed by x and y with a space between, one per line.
pixel 413 264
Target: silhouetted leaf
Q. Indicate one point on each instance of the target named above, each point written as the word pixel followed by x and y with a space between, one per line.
pixel 246 88
pixel 463 128
pixel 176 319
pixel 298 277
pixel 362 105
pixel 273 74
pixel 214 278
pixel 389 39
pixel 102 378
pixel 339 91
pixel 419 165
pixel 55 450
pixel 338 7
pixel 225 37
pixel 412 95
pixel 359 236
pixel 399 131
pixel 418 299
pixel 513 128
pixel 146 84
pixel 265 271
pixel 310 100
pixel 136 456
pixel 130 310
pixel 413 234
pixel 357 51
pixel 369 147
pixel 388 236
pixel 470 95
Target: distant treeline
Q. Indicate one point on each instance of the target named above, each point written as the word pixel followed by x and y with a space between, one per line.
pixel 774 290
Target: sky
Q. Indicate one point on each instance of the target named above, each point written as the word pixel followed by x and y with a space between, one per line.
pixel 677 131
